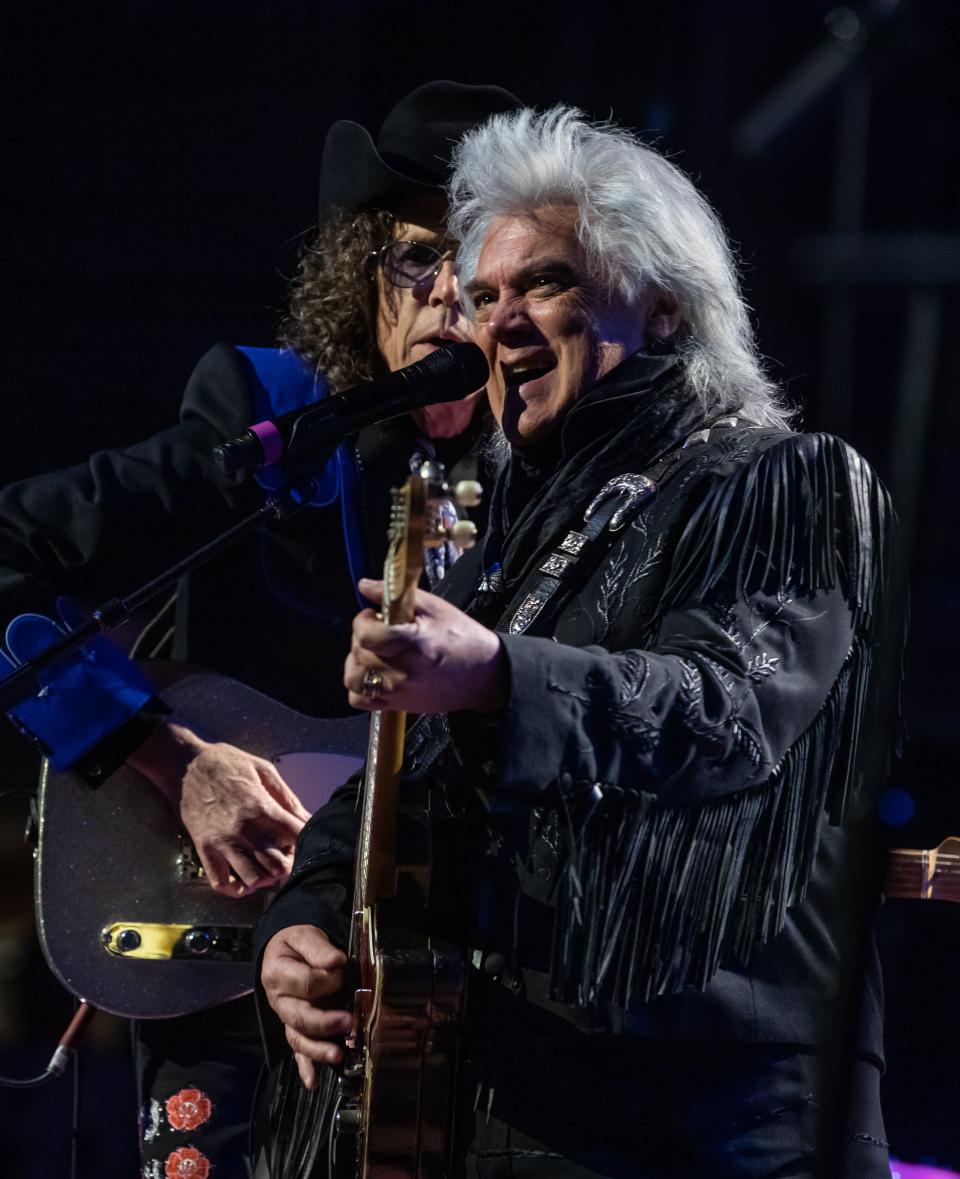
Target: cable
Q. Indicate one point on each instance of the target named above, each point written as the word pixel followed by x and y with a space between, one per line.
pixel 14 1083
pixel 61 1056
pixel 75 1118
pixel 31 1082
pixel 147 645
pixel 18 792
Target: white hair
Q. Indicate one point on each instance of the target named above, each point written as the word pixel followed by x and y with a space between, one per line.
pixel 642 226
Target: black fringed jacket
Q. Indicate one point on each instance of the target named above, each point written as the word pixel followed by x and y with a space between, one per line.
pixel 652 829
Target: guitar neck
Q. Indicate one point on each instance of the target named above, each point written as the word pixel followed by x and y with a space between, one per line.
pixel 376 865
pixel 924 873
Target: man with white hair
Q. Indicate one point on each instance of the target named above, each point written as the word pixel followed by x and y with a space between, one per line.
pixel 647 686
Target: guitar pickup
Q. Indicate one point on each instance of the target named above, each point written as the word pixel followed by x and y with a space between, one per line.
pixel 162 942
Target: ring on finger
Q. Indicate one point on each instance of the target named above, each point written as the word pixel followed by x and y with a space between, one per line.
pixel 371 684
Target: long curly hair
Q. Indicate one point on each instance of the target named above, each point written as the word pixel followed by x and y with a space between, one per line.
pixel 331 318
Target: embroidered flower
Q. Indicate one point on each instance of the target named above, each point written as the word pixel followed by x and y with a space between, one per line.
pixel 187 1163
pixel 188 1109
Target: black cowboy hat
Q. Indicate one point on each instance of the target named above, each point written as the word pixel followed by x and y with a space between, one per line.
pixel 411 155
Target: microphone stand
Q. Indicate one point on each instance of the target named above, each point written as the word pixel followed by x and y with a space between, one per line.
pixel 25 681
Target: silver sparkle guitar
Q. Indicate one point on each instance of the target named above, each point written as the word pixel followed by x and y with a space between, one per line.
pixel 126 918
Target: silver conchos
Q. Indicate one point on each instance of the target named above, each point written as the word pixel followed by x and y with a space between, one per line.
pixel 619 498
pixel 556 565
pixel 573 543
pixel 527 611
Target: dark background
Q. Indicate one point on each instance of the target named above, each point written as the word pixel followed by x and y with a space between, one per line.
pixel 160 160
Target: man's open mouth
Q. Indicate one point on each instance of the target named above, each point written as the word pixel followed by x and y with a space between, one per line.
pixel 518 375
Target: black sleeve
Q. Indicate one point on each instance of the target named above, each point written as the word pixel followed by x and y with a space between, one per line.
pixel 709 710
pixel 105 526
pixel 318 892
pixel 759 627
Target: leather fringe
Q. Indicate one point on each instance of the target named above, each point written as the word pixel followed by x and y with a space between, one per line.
pixel 807 513
pixel 299 1122
pixel 655 898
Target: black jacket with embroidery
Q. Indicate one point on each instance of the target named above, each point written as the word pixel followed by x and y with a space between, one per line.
pixel 652 828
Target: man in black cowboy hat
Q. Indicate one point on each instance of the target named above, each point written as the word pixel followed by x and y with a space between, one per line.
pixel 375 291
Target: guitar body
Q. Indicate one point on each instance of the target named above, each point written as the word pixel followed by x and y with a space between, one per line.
pixel 114 857
pixel 388 1112
pixel 410 1003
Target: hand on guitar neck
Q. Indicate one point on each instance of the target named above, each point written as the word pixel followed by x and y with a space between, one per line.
pixel 393 1097
pixel 241 816
pixel 302 971
pixel 443 661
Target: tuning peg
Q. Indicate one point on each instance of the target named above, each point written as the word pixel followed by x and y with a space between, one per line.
pixel 467 493
pixel 463 534
pixel 432 471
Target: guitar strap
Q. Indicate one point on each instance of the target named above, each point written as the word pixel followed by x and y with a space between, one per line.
pixel 548 588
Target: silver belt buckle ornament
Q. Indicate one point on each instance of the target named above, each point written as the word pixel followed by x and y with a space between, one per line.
pixel 628 492
pixel 631 490
pixel 528 610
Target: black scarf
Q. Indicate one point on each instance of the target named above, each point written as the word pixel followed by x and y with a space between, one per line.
pixel 638 412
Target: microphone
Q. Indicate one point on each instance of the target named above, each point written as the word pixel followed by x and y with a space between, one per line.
pixel 447 374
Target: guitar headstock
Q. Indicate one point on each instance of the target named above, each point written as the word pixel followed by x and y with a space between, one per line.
pixel 421 516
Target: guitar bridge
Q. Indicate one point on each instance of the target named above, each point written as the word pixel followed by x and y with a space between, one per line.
pixel 189 868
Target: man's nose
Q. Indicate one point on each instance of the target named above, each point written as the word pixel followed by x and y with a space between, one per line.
pixel 507 319
pixel 446 286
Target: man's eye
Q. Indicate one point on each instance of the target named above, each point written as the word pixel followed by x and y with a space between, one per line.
pixel 420 254
pixel 482 299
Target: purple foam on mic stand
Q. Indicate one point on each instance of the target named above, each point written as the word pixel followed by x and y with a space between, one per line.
pixel 271 441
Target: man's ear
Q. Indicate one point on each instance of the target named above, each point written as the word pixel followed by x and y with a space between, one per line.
pixel 664 317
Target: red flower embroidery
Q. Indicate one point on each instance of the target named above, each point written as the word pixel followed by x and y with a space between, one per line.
pixel 188 1109
pixel 187 1163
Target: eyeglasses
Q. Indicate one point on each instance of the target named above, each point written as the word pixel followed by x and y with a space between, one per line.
pixel 408 264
